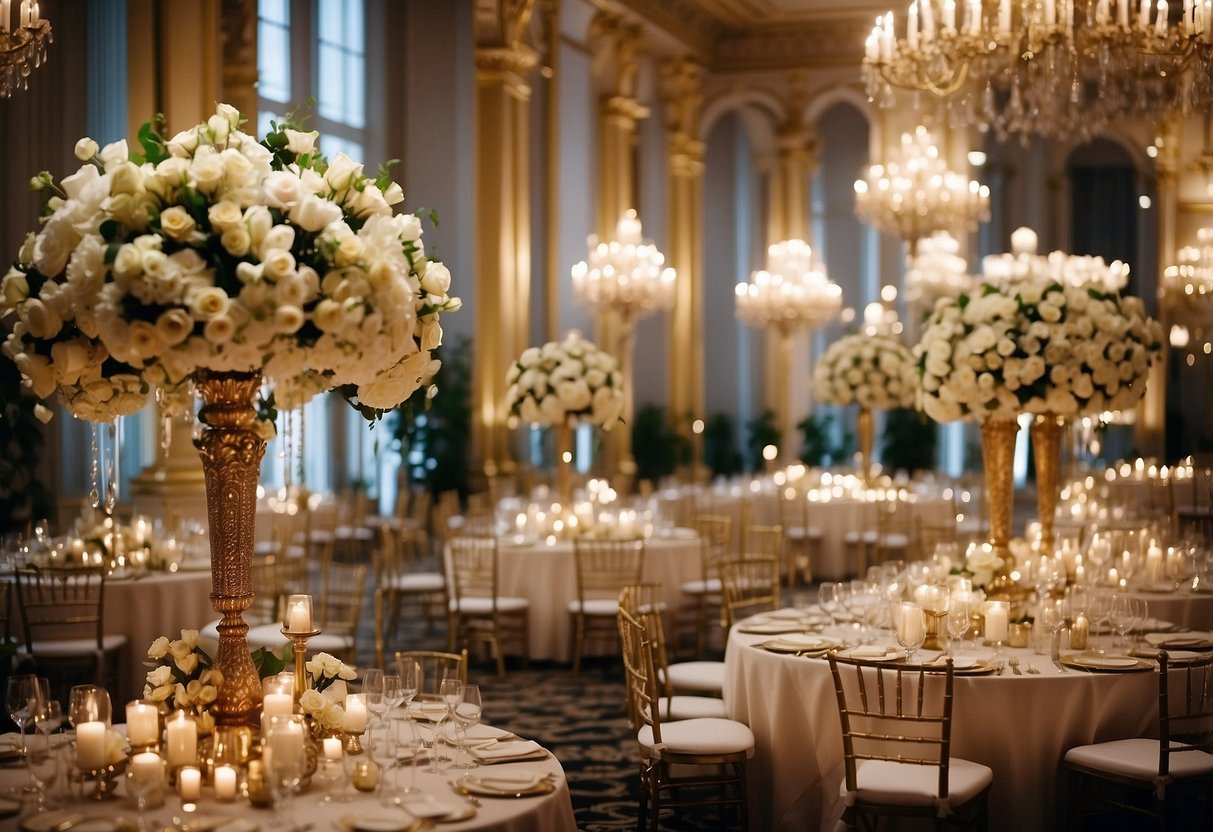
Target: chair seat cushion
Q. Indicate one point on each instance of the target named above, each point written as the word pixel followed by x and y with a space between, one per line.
pixel 802 533
pixel 417 582
pixel 595 606
pixel 905 784
pixel 68 647
pixel 894 540
pixel 711 586
pixel 675 708
pixel 698 676
pixel 854 537
pixel 701 736
pixel 1138 759
pixel 484 606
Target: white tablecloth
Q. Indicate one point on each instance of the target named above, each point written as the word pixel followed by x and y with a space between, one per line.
pixel 1183 608
pixel 1020 726
pixel 546 575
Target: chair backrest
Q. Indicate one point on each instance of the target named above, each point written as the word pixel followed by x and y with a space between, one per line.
pixel 472 568
pixel 435 665
pixel 716 538
pixel 61 604
pixel 748 585
pixel 758 541
pixel 793 508
pixel 604 567
pixel 344 587
pixel 6 610
pixel 480 504
pixel 893 713
pixel 446 508
pixel 1185 708
pixel 644 602
pixel 640 673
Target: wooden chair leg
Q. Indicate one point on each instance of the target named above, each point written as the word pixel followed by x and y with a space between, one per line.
pixel 578 642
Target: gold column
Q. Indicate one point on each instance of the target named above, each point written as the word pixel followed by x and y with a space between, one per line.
pixel 503 258
pixel 239 21
pixel 683 98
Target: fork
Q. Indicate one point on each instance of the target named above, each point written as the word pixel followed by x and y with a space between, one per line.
pixel 1031 669
pixel 1014 663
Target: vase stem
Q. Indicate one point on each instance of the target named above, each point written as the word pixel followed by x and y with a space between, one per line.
pixel 564 464
pixel 865 426
pixel 1046 440
pixel 231 451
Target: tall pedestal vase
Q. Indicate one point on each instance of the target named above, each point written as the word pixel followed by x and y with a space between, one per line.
pixel 1046 440
pixel 865 427
pixel 998 457
pixel 564 464
pixel 231 452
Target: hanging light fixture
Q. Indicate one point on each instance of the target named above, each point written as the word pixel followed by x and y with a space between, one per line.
pixel 914 193
pixel 23 47
pixel 1187 288
pixel 1047 67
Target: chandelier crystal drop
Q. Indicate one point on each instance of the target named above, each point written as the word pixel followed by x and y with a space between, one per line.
pixel 22 48
pixel 626 274
pixel 1046 67
pixel 1187 289
pixel 915 194
pixel 792 293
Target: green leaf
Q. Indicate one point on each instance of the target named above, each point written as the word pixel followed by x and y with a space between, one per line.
pixel 152 141
pixel 267 662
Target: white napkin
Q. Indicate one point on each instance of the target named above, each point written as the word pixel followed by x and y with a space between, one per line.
pixel 805 640
pixel 428 806
pixel 433 711
pixel 511 781
pixel 481 733
pixel 869 652
pixel 505 750
pixel 1181 639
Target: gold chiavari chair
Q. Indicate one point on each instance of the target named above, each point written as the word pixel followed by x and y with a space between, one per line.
pixel 930 535
pixel 1169 778
pixel 436 665
pixel 679 760
pixel 63 616
pixel 801 539
pixel 762 541
pixel 750 585
pixel 476 612
pixel 398 581
pixel 338 611
pixel 894 531
pixel 603 568
pixel 701 598
pixel 896 741
pixel 447 518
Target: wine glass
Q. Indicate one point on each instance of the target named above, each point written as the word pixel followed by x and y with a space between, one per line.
pixel 392 697
pixel 1054 612
pixel 910 627
pixel 958 621
pixel 827 599
pixel 410 682
pixel 24 698
pixel 467 715
pixel 1100 607
pixel 450 691
pixel 42 762
pixel 144 774
pixel 89 703
pixel 283 754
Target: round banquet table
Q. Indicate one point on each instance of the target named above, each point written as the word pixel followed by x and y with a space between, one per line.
pixel 1020 726
pixel 1183 607
pixel 551 811
pixel 546 575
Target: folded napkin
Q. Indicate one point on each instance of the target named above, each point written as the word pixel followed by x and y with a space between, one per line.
pixel 1179 639
pixel 428 806
pixel 482 733
pixel 506 750
pixel 432 711
pixel 507 781
pixel 870 652
pixel 10 742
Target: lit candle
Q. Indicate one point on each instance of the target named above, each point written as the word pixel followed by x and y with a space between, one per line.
pixel 1004 17
pixel 997 613
pixel 147 768
pixel 928 21
pixel 1153 564
pixel 355 713
pixel 910 624
pixel 24 13
pixel 142 724
pixel 277 704
pixel 1160 25
pixel 189 783
pixel 886 38
pixel 225 783
pixel 912 26
pixel 949 16
pixel 90 745
pixel 1143 21
pixel 1122 13
pixel 1050 12
pixel 332 748
pixel 286 743
pixel 299 614
pixel 182 745
pixel 6 10
pixel 1101 13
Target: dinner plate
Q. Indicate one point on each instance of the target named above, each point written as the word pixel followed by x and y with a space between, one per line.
pixel 432 808
pixel 509 751
pixel 771 628
pixel 508 785
pixel 1188 641
pixel 380 822
pixel 51 821
pixel 797 643
pixel 964 667
pixel 1107 664
pixel 430 711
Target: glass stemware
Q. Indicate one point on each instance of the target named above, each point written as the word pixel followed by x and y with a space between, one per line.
pixel 467 715
pixel 450 691
pixel 827 599
pixel 1054 613
pixel 42 762
pixel 283 755
pixel 24 697
pixel 911 628
pixel 144 775
pixel 412 741
pixel 89 703
pixel 958 621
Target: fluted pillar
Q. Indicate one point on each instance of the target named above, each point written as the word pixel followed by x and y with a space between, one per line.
pixel 240 57
pixel 503 234
pixel 683 98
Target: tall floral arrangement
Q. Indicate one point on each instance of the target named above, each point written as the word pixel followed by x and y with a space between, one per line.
pixel 212 250
pixel 1042 335
pixel 564 383
pixel 875 371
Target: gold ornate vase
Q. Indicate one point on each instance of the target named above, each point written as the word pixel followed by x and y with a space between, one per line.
pixel 231 451
pixel 998 457
pixel 564 464
pixel 1046 440
pixel 865 427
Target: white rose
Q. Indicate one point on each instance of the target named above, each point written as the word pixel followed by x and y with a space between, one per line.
pixel 207 172
pixel 219 330
pixel 278 264
pixel 288 319
pixel 282 189
pixel 114 153
pixel 208 302
pixel 41 320
pixel 236 241
pixel 177 223
pixel 86 149
pixel 437 279
pixel 431 334
pixel 174 325
pixel 224 215
pixel 341 172
pixel 313 213
pixel 300 142
pixel 328 315
pixel 528 411
pixel 38 370
pixel 14 288
pixel 551 410
pixel 408 226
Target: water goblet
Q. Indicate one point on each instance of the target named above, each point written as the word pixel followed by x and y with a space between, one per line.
pixel 958 621
pixel 450 692
pixel 910 627
pixel 283 755
pixel 467 715
pixel 413 742
pixel 42 763
pixel 24 698
pixel 827 599
pixel 89 703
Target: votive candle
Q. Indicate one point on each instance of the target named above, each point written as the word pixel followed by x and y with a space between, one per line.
pixel 147 767
pixel 355 713
pixel 225 783
pixel 277 704
pixel 90 745
pixel 332 748
pixel 299 614
pixel 189 783
pixel 182 745
pixel 142 724
pixel 997 615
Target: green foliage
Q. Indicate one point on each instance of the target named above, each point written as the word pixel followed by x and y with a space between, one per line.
pixel 435 436
pixel 819 447
pixel 760 432
pixel 720 446
pixel 657 447
pixel 22 496
pixel 269 663
pixel 908 442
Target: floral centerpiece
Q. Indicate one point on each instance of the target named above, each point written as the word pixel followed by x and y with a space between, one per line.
pixel 239 265
pixel 873 371
pixel 183 677
pixel 324 700
pixel 564 383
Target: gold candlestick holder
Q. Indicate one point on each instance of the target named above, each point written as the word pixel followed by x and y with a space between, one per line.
pixel 353 742
pixel 937 628
pixel 299 648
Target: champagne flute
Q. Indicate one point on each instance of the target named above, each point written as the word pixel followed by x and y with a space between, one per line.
pixel 467 715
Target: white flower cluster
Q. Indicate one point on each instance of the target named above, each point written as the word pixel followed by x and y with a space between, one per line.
pixel 877 371
pixel 182 671
pixel 1035 345
pixel 223 253
pixel 565 382
pixel 937 271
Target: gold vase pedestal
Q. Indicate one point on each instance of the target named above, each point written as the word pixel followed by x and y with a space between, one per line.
pixel 1046 434
pixel 231 451
pixel 564 464
pixel 865 427
pixel 998 458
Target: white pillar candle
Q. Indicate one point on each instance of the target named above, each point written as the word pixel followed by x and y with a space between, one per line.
pixel 332 748
pixel 912 26
pixel 225 783
pixel 277 704
pixel 1160 25
pixel 996 621
pixel 299 614
pixel 189 783
pixel 286 743
pixel 355 713
pixel 949 16
pixel 1050 12
pixel 142 724
pixel 910 624
pixel 182 740
pixel 147 768
pixel 887 38
pixel 90 745
pixel 1004 17
pixel 1143 21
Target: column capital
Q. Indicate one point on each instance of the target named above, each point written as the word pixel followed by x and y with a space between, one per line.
pixel 515 60
pixel 686 156
pixel 623 110
pixel 616 45
pixel 682 96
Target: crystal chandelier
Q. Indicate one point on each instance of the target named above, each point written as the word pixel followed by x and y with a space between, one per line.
pixel 1187 289
pixel 1047 67
pixel 626 275
pixel 792 293
pixel 937 270
pixel 914 193
pixel 22 49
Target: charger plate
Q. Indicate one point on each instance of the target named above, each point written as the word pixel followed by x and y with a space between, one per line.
pixel 1108 664
pixel 382 821
pixel 490 786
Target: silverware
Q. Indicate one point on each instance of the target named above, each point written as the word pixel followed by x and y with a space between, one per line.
pixel 1001 664
pixel 464 793
pixel 1057 663
pixel 1032 670
pixel 1014 663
